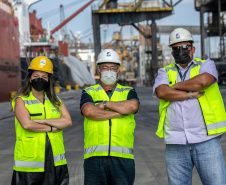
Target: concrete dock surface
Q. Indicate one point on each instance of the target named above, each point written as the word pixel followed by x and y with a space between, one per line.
pixel 148 148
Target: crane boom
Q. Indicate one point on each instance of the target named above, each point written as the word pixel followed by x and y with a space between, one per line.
pixel 71 17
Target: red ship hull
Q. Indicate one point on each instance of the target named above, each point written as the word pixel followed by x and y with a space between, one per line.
pixel 10 70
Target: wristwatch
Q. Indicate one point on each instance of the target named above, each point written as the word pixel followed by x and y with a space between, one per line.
pixel 190 95
pixel 105 104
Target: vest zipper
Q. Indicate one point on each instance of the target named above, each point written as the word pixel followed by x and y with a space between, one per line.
pixel 45 116
pixel 45 112
pixel 109 150
pixel 44 106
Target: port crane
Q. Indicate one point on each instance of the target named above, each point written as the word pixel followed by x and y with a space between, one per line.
pixel 71 17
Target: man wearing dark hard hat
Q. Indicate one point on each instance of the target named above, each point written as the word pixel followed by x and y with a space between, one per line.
pixel 192 114
pixel 109 124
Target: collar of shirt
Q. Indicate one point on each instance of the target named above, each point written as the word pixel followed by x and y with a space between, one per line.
pixel 109 92
pixel 181 68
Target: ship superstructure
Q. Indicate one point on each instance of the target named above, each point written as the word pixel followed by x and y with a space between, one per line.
pixel 10 71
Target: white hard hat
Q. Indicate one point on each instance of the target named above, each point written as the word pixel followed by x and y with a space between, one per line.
pixel 180 35
pixel 108 55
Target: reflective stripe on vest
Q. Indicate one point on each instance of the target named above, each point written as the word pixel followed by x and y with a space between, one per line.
pixel 30 102
pixel 29 164
pixel 104 148
pixel 122 89
pixel 216 125
pixel 100 88
pixel 96 89
pixel 211 103
pixel 60 157
pixel 32 164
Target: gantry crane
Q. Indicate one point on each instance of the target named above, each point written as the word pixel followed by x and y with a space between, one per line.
pixel 112 12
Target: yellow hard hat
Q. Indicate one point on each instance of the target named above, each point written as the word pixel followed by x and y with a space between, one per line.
pixel 41 63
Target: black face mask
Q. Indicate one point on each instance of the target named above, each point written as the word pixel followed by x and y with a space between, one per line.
pixel 39 84
pixel 182 56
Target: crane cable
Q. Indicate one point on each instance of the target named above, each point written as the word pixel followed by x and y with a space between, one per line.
pixel 56 10
pixel 87 31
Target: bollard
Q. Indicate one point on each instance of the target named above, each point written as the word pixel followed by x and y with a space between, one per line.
pixel 68 87
pixel 57 89
pixel 76 87
pixel 12 95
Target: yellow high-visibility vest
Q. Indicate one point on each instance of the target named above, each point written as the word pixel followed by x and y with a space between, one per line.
pixel 113 137
pixel 211 103
pixel 29 153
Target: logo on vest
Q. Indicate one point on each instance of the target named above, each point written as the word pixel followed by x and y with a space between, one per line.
pixel 54 110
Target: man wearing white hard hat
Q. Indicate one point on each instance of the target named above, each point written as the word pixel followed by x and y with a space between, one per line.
pixel 109 124
pixel 192 114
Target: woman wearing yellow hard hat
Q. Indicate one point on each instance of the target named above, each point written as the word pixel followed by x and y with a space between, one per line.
pixel 40 116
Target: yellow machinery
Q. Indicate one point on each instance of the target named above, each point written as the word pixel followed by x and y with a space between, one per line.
pixel 135 6
pixel 125 52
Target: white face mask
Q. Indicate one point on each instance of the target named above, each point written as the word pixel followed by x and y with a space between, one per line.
pixel 108 77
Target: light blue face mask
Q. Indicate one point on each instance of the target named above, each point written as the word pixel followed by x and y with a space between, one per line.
pixel 108 77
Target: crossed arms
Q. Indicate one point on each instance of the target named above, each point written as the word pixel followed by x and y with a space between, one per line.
pixel 23 117
pixel 180 90
pixel 117 110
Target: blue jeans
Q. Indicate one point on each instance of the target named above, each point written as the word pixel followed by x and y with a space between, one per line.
pixel 206 156
pixel 109 171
